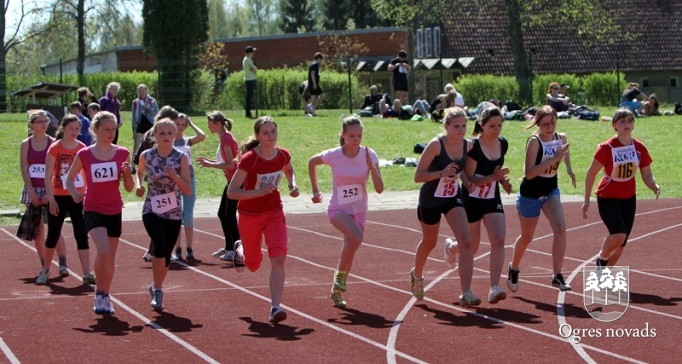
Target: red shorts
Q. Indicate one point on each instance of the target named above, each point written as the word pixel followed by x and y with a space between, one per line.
pixel 252 229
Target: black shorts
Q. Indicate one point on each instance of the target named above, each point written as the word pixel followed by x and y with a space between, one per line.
pixel 431 215
pixel 316 91
pixel 618 215
pixel 111 222
pixel 401 85
pixel 476 208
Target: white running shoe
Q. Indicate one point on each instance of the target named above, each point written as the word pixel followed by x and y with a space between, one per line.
pixel 43 276
pixel 496 294
pixel 449 259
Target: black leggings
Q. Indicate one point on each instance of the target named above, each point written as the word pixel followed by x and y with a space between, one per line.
pixel 227 213
pixel 618 215
pixel 163 233
pixel 55 223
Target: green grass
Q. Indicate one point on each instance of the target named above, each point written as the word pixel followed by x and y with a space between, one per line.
pixel 391 138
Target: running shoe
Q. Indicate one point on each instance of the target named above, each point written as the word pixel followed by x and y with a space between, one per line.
pixel 512 279
pixel 43 276
pixel 98 306
pixel 63 271
pixel 340 280
pixel 277 314
pixel 218 253
pixel 449 259
pixel 228 257
pixel 89 278
pixel 108 305
pixel 558 281
pixel 190 254
pixel 147 257
pixel 496 294
pixel 417 285
pixel 238 256
pixel 337 298
pixel 467 299
pixel 157 298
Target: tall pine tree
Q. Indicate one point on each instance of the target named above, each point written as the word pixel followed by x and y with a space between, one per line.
pixel 296 16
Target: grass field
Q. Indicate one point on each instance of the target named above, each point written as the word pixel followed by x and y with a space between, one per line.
pixel 391 138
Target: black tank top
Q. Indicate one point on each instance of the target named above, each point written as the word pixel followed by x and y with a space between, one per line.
pixel 427 192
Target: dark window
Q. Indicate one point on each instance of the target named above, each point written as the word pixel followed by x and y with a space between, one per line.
pixel 673 81
pixel 645 82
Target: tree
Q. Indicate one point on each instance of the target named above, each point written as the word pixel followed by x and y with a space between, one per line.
pixel 336 14
pixel 262 16
pixel 590 19
pixel 175 44
pixel 296 16
pixel 219 24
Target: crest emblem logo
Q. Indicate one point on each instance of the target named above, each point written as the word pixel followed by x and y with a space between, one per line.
pixel 606 292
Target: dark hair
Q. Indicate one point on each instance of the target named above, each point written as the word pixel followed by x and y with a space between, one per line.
pixel 318 55
pixel 252 142
pixel 83 92
pixel 166 112
pixel 219 117
pixel 348 121
pixel 484 116
pixel 402 54
pixel 66 120
pixel 76 105
pixel 94 106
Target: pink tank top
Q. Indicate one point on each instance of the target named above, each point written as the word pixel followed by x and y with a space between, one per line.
pixel 102 193
pixel 36 162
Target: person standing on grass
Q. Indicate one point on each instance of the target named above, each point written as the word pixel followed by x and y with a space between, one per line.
pixel 439 168
pixel 351 166
pixel 104 164
pixel 184 144
pixel 167 172
pixel 249 79
pixel 110 102
pixel 314 89
pixel 256 185
pixel 620 157
pixel 484 168
pixel 400 67
pixel 539 192
pixel 225 159
pixel 32 159
pixel 60 156
pixel 144 110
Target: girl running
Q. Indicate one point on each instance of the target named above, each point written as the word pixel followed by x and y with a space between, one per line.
pixel 484 204
pixel 60 156
pixel 539 191
pixel 32 157
pixel 620 157
pixel 103 164
pixel 439 168
pixel 184 144
pixel 226 159
pixel 255 184
pixel 167 172
pixel 351 166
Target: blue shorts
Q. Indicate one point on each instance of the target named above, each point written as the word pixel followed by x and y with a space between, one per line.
pixel 529 207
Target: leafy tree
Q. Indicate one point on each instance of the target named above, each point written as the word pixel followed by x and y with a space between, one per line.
pixel 173 30
pixel 296 16
pixel 589 18
pixel 219 24
pixel 262 16
pixel 336 14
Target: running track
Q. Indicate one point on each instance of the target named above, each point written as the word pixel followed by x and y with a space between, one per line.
pixel 214 314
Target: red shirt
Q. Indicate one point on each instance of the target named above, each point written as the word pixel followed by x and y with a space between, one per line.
pixel 619 182
pixel 102 179
pixel 258 171
pixel 227 140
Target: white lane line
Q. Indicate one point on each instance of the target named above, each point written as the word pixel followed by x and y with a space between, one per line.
pixel 144 319
pixel 8 353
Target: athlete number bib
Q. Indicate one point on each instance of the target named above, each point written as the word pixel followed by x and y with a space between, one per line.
pixel 164 203
pixel 487 191
pixel 78 181
pixel 104 172
pixel 548 151
pixel 36 170
pixel 268 179
pixel 447 187
pixel 625 163
pixel 349 193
